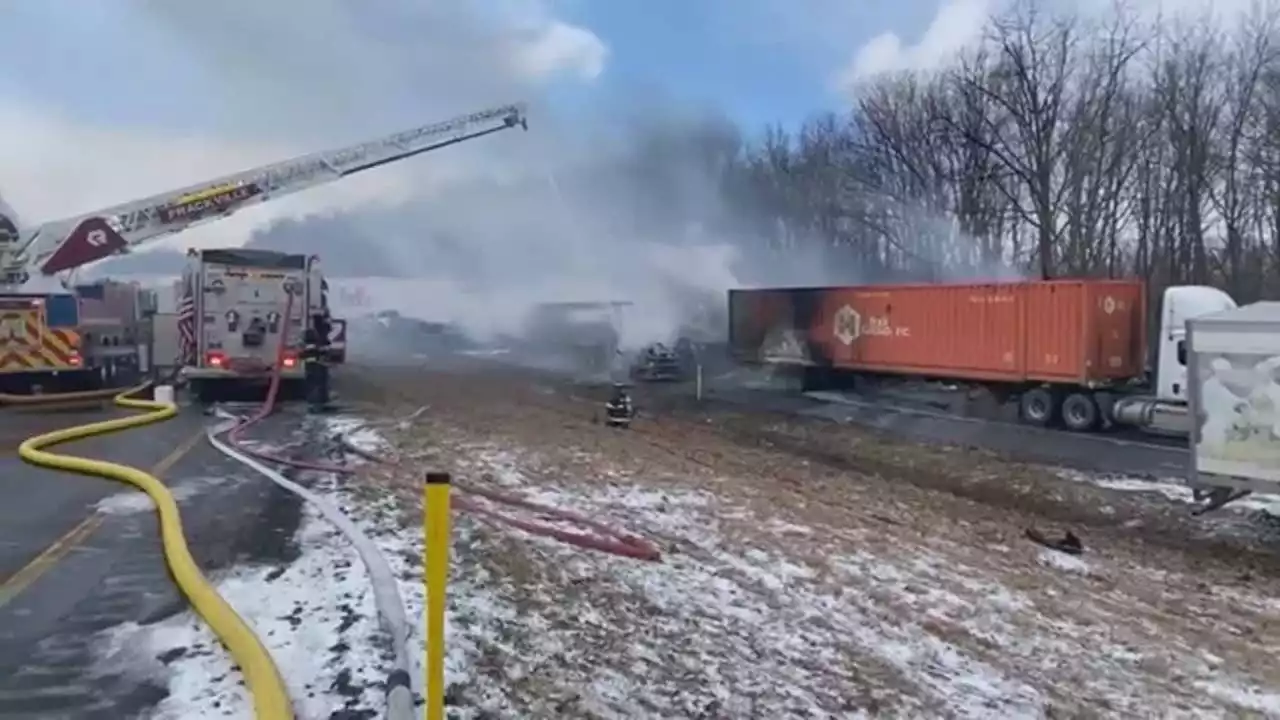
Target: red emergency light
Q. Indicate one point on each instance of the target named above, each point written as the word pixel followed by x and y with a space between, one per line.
pixel 216 360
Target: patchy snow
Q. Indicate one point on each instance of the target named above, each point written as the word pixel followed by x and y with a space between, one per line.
pixel 759 608
pixel 755 612
pixel 1172 489
pixel 1063 561
pixel 132 502
pixel 357 432
pixel 763 611
pixel 316 616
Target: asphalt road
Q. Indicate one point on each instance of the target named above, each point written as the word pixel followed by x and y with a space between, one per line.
pixel 1101 453
pixel 71 567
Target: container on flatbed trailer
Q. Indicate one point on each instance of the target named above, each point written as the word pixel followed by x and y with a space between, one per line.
pixel 1080 332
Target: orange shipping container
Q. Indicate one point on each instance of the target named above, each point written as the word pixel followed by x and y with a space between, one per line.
pixel 1080 332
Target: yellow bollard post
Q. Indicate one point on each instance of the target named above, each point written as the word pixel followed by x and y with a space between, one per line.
pixel 435 573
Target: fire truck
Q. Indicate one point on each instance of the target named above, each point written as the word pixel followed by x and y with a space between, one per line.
pixel 233 318
pixel 54 335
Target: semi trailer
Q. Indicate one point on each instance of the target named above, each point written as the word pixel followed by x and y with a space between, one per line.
pixel 1070 353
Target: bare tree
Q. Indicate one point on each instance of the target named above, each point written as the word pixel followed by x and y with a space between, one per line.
pixel 1068 148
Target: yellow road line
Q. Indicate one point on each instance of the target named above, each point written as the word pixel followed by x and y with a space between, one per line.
pixel 15 584
pixel 43 562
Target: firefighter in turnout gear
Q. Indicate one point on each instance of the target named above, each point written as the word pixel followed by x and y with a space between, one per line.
pixel 315 359
pixel 619 410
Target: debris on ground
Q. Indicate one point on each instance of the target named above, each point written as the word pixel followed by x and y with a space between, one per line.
pixel 1068 543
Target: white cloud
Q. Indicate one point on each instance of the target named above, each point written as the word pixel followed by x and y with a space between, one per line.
pixel 282 78
pixel 957 24
pixel 561 47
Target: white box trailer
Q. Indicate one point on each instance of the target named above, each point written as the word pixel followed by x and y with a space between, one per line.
pixel 1233 371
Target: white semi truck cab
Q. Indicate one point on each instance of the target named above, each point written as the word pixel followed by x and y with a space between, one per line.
pixel 1165 408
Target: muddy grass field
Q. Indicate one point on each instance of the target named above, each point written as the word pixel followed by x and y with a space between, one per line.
pixel 815 570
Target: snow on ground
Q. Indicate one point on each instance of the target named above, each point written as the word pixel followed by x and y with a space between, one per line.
pixel 316 616
pixel 1172 489
pixel 132 502
pixel 357 432
pixel 758 609
pixel 761 614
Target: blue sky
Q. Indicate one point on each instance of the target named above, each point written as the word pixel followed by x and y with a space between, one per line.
pixel 685 50
pixel 753 59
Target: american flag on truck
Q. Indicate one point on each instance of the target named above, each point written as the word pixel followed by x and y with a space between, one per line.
pixel 187 320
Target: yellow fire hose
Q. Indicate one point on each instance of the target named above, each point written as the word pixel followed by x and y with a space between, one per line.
pixel 52 398
pixel 270 698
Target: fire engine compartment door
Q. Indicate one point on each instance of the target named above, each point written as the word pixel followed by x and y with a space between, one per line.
pixel 243 313
pixel 21 324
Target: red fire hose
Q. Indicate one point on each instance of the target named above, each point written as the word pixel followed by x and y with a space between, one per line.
pixel 601 538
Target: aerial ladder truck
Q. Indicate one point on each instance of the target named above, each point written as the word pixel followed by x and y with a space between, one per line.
pixel 55 336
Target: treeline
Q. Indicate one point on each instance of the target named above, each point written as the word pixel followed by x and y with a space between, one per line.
pixel 1059 147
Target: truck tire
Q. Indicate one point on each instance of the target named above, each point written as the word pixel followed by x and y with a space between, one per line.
pixel 1037 407
pixel 1080 412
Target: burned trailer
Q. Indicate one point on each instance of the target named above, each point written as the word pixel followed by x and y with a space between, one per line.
pixel 1068 352
pixel 578 337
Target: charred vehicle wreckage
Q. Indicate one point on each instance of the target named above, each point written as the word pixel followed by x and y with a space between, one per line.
pixel 587 338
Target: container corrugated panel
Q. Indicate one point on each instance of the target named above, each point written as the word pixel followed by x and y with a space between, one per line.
pixel 1061 331
pixel 1085 331
pixel 960 331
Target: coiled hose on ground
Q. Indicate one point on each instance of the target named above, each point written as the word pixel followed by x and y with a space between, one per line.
pixel 270 698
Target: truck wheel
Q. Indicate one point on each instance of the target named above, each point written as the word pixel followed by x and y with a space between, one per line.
pixel 1037 407
pixel 1080 412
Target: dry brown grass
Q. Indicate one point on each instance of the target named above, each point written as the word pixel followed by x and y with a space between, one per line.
pixel 1155 581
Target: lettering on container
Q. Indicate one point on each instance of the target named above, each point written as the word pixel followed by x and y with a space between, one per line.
pixel 991 299
pixel 849 325
pixel 884 327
